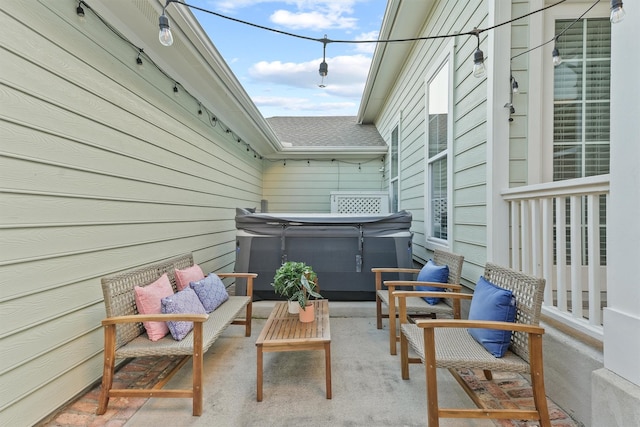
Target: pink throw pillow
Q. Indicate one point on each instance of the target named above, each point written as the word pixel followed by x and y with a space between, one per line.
pixel 149 301
pixel 188 275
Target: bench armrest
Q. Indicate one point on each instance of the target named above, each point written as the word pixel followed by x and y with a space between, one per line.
pixel 248 276
pixel 185 317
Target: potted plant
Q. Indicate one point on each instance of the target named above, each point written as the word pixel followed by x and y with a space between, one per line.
pixel 297 282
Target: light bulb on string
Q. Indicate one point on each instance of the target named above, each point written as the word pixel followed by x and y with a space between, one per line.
pixel 479 69
pixel 165 36
pixel 324 67
pixel 617 12
pixel 80 11
pixel 139 59
pixel 557 59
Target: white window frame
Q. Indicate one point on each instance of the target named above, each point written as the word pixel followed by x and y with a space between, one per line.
pixel 563 11
pixel 396 178
pixel 431 241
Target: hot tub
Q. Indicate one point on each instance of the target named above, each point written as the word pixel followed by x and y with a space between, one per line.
pixel 341 248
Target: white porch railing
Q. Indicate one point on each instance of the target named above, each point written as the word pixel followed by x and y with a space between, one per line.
pixel 564 218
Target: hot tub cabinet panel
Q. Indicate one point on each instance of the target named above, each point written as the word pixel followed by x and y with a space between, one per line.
pixel 341 248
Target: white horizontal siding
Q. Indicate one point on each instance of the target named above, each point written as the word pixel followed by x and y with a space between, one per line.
pixel 102 169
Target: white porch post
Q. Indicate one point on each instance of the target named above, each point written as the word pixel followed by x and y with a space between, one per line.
pixel 498 90
pixel 616 388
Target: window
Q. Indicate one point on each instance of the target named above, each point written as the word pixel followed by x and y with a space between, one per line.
pixel 395 167
pixel 438 105
pixel 581 99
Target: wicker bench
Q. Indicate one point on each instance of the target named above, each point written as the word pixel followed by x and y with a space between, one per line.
pixel 125 336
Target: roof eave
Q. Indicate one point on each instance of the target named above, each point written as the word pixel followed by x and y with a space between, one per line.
pixel 328 152
pixel 389 58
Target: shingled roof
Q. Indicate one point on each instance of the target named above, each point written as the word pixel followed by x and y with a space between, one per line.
pixel 326 131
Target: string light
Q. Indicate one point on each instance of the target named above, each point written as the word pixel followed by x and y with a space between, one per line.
pixel 138 59
pixel 80 10
pixel 617 12
pixel 479 69
pixel 555 54
pixel 165 36
pixel 324 67
pixel 140 52
pixel 514 85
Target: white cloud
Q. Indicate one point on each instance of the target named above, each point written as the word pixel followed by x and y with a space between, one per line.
pixel 315 20
pixel 366 47
pixel 346 77
pixel 308 14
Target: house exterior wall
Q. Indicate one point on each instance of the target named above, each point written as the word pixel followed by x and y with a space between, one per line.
pixel 405 107
pixel 103 169
pixel 305 186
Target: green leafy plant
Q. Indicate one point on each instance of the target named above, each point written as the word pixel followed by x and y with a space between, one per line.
pixel 296 281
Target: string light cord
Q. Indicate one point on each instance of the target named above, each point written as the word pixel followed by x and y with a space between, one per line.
pixel 555 37
pixel 324 40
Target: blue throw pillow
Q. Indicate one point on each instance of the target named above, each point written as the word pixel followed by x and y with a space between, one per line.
pixel 184 301
pixel 211 292
pixel 490 302
pixel 431 272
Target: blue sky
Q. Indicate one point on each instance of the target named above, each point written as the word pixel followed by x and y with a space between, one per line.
pixel 280 72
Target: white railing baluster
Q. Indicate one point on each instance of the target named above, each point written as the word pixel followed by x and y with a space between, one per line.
pixel 515 234
pixel 593 229
pixel 547 249
pixel 525 231
pixel 535 237
pixel 561 254
pixel 575 224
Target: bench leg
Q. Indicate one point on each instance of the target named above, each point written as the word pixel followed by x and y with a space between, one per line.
pixel 198 365
pixel 108 367
pixel 247 328
pixel 327 362
pixel 259 374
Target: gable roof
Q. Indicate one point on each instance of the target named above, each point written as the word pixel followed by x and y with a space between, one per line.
pixel 327 134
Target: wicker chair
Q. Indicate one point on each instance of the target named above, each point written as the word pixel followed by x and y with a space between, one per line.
pixel 445 343
pixel 417 306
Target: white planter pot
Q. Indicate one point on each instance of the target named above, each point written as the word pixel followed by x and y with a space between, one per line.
pixel 294 307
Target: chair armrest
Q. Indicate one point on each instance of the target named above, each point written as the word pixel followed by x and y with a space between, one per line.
pixel 456 296
pixel 414 283
pixel 394 270
pixel 433 294
pixel 185 317
pixel 379 270
pixel 248 276
pixel 485 324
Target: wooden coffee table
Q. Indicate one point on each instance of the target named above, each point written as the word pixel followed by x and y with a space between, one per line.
pixel 284 332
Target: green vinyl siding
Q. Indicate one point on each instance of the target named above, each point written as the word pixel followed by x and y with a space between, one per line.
pixel 102 169
pixel 305 186
pixel 468 176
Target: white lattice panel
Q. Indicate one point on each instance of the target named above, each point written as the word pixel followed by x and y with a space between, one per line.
pixel 360 203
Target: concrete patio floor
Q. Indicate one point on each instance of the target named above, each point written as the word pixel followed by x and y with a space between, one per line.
pixel 367 387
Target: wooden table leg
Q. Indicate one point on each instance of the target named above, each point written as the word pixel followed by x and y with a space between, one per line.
pixel 327 361
pixel 259 374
